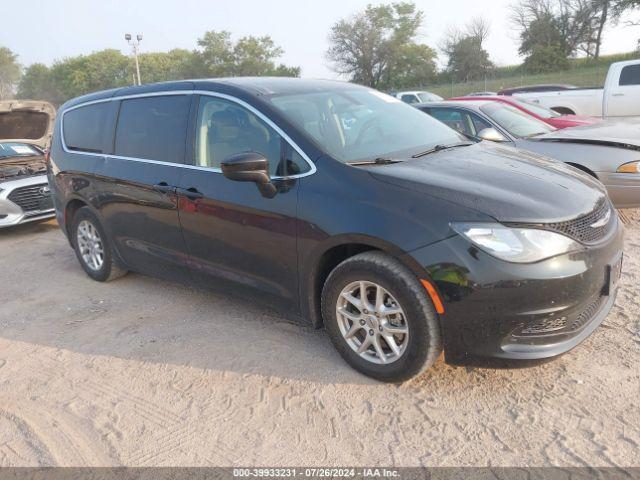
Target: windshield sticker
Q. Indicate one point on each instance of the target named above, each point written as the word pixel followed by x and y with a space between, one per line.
pixel 23 150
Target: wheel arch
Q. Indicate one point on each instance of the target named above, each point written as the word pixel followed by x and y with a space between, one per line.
pixel 74 204
pixel 70 209
pixel 333 252
pixel 564 110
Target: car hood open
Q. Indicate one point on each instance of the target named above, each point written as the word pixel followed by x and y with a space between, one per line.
pixel 509 185
pixel 624 133
pixel 27 121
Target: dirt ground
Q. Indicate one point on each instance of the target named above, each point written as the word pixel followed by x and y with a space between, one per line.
pixel 142 372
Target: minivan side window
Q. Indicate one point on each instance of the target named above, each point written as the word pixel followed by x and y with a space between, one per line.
pixel 84 128
pixel 630 75
pixel 224 128
pixel 153 128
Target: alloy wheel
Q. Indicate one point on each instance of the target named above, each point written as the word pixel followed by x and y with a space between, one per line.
pixel 372 322
pixel 90 245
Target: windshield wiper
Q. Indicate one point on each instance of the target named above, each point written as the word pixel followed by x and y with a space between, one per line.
pixel 439 148
pixel 376 161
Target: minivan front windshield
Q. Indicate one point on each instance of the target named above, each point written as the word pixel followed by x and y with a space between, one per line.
pixel 361 124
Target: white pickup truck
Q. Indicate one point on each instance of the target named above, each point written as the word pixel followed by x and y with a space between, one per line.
pixel 620 96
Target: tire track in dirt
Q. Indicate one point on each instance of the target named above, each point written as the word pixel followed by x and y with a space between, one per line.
pixel 36 449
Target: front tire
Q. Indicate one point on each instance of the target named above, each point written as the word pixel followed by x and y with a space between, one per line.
pixel 93 248
pixel 380 318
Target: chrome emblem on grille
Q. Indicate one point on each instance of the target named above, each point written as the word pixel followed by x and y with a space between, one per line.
pixel 46 190
pixel 603 221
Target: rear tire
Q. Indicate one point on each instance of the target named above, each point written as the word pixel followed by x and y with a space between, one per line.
pixel 93 248
pixel 363 332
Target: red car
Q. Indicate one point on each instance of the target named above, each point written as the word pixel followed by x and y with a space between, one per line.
pixel 541 113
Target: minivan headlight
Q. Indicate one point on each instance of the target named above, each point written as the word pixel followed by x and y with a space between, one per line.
pixel 633 167
pixel 518 245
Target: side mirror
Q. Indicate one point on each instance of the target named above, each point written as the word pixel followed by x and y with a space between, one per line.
pixel 492 135
pixel 249 167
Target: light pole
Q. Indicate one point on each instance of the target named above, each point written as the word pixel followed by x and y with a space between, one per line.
pixel 135 46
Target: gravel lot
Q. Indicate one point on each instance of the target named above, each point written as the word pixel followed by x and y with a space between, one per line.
pixel 145 372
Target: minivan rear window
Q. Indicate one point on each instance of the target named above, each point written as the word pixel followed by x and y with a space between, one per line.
pixel 84 128
pixel 153 128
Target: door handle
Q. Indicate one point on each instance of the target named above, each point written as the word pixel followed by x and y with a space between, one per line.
pixel 617 94
pixel 164 187
pixel 191 193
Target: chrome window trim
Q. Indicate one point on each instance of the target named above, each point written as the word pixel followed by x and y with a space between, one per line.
pixel 251 108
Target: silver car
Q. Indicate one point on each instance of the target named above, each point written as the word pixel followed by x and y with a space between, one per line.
pixel 609 151
pixel 25 130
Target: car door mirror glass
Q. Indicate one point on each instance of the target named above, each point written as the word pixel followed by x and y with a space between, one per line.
pixel 492 135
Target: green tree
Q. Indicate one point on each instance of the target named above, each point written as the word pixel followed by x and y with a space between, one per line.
pixel 467 58
pixel 87 73
pixel 415 67
pixel 249 56
pixel 543 32
pixel 9 72
pixel 216 53
pixel 177 64
pixel 37 83
pixel 377 47
pixel 543 59
pixel 217 56
pixel 573 25
pixel 611 11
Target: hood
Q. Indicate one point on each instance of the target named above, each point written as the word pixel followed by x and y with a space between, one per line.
pixel 623 133
pixel 27 121
pixel 509 185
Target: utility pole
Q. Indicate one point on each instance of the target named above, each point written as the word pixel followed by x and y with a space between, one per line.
pixel 135 46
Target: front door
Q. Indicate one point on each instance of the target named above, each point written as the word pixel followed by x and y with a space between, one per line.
pixel 623 97
pixel 234 234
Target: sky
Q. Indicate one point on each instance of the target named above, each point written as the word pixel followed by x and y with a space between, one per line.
pixel 54 29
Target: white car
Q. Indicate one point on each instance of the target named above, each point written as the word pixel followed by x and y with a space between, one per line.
pixel 25 131
pixel 418 96
pixel 620 96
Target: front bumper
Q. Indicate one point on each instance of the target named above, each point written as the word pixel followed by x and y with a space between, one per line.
pixel 623 188
pixel 25 200
pixel 503 313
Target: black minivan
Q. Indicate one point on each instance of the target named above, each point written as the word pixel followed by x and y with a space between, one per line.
pixel 345 206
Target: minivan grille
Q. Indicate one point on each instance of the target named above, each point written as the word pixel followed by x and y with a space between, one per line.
pixel 29 198
pixel 587 314
pixel 583 229
pixel 564 324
